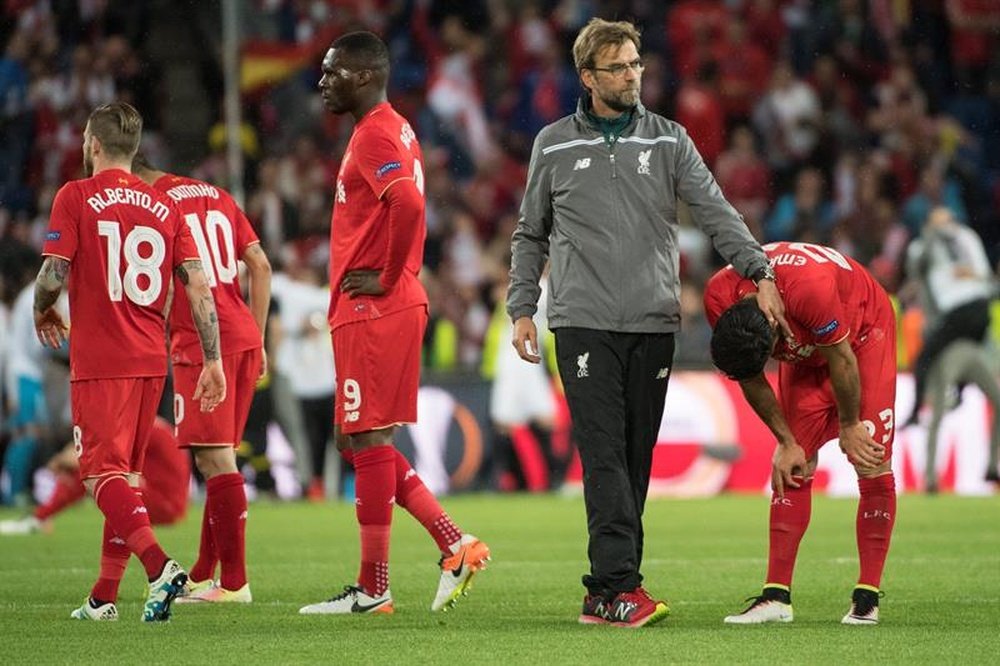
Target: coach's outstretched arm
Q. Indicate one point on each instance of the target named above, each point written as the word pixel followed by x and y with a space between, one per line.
pixel 211 389
pixel 855 439
pixel 49 324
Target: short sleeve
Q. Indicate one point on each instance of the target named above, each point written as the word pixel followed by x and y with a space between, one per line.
pixel 718 295
pixel 245 235
pixel 381 160
pixel 184 245
pixel 816 305
pixel 63 235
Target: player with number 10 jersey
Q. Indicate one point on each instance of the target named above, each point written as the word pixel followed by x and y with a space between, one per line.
pixel 382 151
pixel 223 235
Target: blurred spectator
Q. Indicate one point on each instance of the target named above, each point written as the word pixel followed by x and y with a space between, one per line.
pixel 744 70
pixel 788 118
pixel 936 189
pixel 745 178
pixel 700 110
pixel 803 215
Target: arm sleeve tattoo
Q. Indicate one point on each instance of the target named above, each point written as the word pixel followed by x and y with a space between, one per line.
pixel 206 319
pixel 50 282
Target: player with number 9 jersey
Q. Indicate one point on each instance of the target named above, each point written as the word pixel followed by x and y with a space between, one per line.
pixel 123 240
pixel 378 368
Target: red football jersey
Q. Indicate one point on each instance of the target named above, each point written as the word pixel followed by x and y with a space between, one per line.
pixel 222 233
pixel 382 150
pixel 827 296
pixel 123 240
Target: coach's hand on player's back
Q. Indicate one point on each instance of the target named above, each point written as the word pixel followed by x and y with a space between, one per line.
pixel 525 340
pixel 211 389
pixel 362 283
pixel 50 328
pixel 859 446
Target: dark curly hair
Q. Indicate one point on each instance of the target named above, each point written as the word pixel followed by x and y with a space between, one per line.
pixel 742 341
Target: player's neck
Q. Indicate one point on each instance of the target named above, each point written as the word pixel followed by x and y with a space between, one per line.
pixel 108 165
pixel 362 110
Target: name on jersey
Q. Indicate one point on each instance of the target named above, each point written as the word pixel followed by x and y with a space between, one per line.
pixel 192 191
pixel 126 195
pixel 386 168
pixel 788 260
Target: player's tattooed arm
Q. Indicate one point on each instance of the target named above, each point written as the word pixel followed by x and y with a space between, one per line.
pixel 50 282
pixel 206 319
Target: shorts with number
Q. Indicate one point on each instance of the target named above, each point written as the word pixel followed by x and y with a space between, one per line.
pixel 224 425
pixel 112 420
pixel 809 405
pixel 378 370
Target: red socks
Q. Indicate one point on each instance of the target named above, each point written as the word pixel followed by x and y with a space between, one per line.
pixel 375 489
pixel 204 567
pixel 127 517
pixel 114 560
pixel 789 520
pixel 876 516
pixel 227 503
pixel 69 490
pixel 413 495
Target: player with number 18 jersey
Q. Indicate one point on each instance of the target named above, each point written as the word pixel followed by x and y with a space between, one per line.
pixel 378 369
pixel 123 240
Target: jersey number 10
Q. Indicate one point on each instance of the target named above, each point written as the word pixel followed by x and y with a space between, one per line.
pixel 219 261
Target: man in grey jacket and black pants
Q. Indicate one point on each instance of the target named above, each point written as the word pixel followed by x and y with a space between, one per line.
pixel 601 206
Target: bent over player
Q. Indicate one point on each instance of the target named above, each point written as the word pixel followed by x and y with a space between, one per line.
pixel 378 313
pixel 223 235
pixel 117 240
pixel 837 378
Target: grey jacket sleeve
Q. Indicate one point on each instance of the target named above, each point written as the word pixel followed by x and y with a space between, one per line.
pixel 530 242
pixel 696 186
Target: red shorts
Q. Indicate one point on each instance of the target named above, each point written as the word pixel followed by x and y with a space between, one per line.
pixel 223 426
pixel 378 370
pixel 807 397
pixel 112 419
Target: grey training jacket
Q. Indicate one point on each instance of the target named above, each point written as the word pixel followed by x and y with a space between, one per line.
pixel 606 217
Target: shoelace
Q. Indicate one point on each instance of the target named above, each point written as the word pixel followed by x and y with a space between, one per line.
pixel 348 591
pixel 754 602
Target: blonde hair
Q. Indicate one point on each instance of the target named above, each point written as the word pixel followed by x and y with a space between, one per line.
pixel 118 126
pixel 599 33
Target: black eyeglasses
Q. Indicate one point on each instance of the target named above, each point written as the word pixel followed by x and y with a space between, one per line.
pixel 619 69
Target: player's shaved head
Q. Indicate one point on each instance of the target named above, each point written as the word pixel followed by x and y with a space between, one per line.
pixel 742 340
pixel 118 126
pixel 364 49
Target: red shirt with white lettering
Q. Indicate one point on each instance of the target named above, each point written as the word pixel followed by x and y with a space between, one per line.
pixel 222 233
pixel 382 151
pixel 123 240
pixel 828 297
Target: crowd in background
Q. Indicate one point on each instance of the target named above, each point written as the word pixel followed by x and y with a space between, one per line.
pixel 842 122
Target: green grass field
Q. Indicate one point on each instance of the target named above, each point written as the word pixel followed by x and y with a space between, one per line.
pixel 942 587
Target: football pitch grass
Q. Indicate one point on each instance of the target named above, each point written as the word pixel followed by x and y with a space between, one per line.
pixel 942 586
